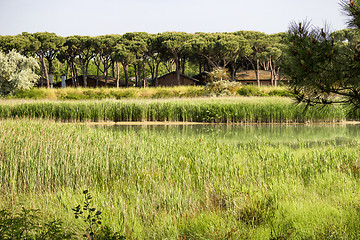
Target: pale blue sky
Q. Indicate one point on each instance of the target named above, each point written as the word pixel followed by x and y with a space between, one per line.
pixel 98 17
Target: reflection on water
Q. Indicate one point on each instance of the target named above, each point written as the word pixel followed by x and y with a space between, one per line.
pixel 271 133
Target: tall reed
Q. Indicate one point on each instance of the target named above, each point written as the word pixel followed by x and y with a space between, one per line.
pixel 222 110
pixel 155 185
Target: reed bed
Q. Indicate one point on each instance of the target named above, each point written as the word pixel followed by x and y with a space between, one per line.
pixel 80 93
pixel 158 185
pixel 210 110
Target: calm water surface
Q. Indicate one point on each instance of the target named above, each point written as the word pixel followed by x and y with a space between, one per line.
pixel 337 134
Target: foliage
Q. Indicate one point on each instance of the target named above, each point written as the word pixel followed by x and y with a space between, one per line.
pixel 219 74
pixel 250 90
pixel 217 110
pixel 219 83
pixel 193 181
pixel 143 55
pixel 92 218
pixel 323 66
pixel 281 93
pixel 110 93
pixel 221 88
pixel 27 224
pixel 16 72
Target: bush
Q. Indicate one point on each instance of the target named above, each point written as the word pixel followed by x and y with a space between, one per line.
pixel 281 93
pixel 249 91
pixel 221 88
pixel 27 225
pixel 17 72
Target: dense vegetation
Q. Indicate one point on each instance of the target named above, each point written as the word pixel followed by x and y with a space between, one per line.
pixel 143 55
pixel 186 186
pixel 211 110
pixel 80 93
pixel 16 73
pixel 155 184
pixel 324 65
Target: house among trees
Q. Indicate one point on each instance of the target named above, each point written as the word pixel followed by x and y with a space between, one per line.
pixel 170 79
pixel 248 77
pixel 92 81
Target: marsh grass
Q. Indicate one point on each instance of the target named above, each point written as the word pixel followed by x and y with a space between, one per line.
pixel 210 110
pixel 147 93
pixel 154 185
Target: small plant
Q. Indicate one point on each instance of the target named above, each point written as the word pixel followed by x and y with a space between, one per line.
pixel 92 217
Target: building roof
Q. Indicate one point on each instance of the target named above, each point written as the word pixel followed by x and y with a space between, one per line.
pixel 249 75
pixel 183 75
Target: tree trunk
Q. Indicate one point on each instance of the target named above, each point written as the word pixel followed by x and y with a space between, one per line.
pixel 144 75
pixel 45 72
pixel 233 71
pixel 117 73
pixel 51 70
pixel 112 65
pixel 156 74
pixel 182 64
pixel 272 72
pixel 178 72
pixel 258 72
pixel 84 75
pixel 126 75
pixel 106 76
pixel 170 66
pixel 97 76
pixel 106 72
pixel 72 76
pixel 136 75
pixel 75 80
pixel 278 76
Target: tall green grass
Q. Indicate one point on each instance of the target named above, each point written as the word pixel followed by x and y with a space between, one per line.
pixel 217 110
pixel 154 185
pixel 148 93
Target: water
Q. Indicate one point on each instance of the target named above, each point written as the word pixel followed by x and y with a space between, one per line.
pixel 337 134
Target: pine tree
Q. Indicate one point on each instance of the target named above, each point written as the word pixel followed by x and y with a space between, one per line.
pixel 321 68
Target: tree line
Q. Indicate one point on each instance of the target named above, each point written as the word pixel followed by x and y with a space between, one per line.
pixel 145 54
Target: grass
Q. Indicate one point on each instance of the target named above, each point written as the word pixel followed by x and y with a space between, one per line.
pixel 156 185
pixel 211 110
pixel 143 93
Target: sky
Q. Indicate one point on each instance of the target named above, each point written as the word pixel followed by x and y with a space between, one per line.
pixel 100 17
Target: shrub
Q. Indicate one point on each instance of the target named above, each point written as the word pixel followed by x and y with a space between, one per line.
pixel 249 91
pixel 28 225
pixel 281 93
pixel 221 88
pixel 92 219
pixel 17 72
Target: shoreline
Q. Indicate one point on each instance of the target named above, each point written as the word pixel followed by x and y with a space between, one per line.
pixel 173 123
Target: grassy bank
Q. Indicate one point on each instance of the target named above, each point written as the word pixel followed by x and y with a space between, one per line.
pixel 146 93
pixel 213 110
pixel 152 185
